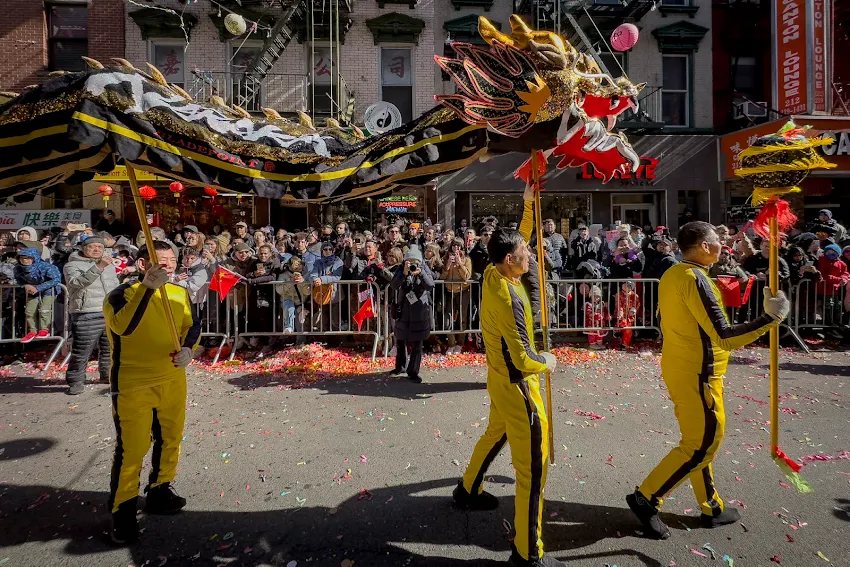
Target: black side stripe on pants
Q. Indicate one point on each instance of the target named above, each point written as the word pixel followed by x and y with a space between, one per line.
pixel 115 365
pixel 536 470
pixel 708 416
pixel 709 490
pixel 488 460
pixel 118 460
pixel 156 455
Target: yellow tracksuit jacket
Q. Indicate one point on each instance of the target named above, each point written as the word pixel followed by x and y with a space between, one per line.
pixel 698 338
pixel 517 414
pixel 148 392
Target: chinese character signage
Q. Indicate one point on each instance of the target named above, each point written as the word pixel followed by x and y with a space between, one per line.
pixel 322 66
pixel 801 56
pixel 395 67
pixel 169 60
pixel 42 219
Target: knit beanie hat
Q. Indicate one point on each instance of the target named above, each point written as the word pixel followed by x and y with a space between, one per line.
pixel 834 247
pixel 413 253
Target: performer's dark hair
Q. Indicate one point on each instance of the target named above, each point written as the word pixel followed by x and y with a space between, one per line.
pixel 693 234
pixel 159 246
pixel 504 241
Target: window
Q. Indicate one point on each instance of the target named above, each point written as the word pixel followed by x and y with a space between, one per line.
pixel 397 80
pixel 244 90
pixel 169 58
pixel 745 78
pixel 615 62
pixel 68 37
pixel 674 96
pixel 675 2
pixel 324 80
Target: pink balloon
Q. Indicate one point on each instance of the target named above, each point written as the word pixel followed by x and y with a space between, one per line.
pixel 624 37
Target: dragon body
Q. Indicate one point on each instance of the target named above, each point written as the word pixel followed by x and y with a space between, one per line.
pixel 522 92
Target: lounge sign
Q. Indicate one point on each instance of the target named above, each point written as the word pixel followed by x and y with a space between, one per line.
pixel 646 170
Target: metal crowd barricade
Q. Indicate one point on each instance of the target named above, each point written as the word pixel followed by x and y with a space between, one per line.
pixel 13 317
pixel 455 309
pixel 257 310
pixel 820 311
pixel 215 319
pixel 572 309
pixel 754 307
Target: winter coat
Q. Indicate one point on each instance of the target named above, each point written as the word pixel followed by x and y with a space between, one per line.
pixel 240 290
pixel 198 282
pixel 375 272
pixel 45 277
pixel 624 271
pixel 458 273
pixel 307 261
pixel 656 263
pixel 628 305
pixel 46 253
pixel 414 322
pixel 558 247
pixel 758 264
pixel 720 270
pixel 329 270
pixel 834 274
pixel 87 284
pixel 480 259
pixel 583 250
pixel 531 282
pixel 287 290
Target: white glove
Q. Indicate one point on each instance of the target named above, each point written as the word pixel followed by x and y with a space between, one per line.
pixel 551 361
pixel 155 277
pixel 776 306
pixel 182 358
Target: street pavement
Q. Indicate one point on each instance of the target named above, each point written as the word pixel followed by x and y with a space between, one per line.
pixel 284 465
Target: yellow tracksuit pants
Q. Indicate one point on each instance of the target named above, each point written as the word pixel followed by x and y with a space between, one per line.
pixel 701 414
pixel 518 417
pixel 153 413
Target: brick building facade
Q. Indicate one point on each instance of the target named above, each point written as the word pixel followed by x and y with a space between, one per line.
pixel 37 37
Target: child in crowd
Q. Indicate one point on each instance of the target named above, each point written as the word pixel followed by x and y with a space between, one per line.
pixel 40 281
pixel 628 304
pixel 596 317
pixel 294 293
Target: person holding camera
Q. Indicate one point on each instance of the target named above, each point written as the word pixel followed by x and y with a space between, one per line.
pixel 413 283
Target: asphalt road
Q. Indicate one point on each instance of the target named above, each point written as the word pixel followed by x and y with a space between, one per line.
pixel 359 470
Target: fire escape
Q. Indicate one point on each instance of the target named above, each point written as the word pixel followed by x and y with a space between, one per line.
pixel 587 25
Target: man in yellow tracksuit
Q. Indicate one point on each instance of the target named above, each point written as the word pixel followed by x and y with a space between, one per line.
pixel 148 384
pixel 697 341
pixel 517 414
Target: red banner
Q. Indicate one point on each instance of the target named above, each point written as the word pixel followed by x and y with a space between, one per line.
pixel 819 56
pixel 791 91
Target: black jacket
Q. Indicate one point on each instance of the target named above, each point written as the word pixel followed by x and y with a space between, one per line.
pixel 480 259
pixel 414 322
pixel 583 250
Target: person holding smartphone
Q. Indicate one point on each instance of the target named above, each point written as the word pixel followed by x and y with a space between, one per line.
pixel 413 283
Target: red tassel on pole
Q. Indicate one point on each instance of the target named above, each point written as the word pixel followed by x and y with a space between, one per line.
pixel 778 209
pixel 524 171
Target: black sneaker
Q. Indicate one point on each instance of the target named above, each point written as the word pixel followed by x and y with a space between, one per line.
pixel 414 378
pixel 516 560
pixel 647 513
pixel 76 389
pixel 466 501
pixel 726 517
pixel 163 500
pixel 125 526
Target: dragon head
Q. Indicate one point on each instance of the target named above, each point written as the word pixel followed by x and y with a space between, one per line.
pixel 534 87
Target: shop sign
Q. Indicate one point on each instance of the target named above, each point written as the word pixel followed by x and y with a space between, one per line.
pixel 43 219
pixel 841 146
pixel 801 55
pixel 119 173
pixel 646 170
pixel 398 204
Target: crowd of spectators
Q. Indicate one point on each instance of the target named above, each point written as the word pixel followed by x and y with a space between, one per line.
pixel 303 267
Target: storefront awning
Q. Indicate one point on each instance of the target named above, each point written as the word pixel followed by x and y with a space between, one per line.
pixel 839 153
pixel 671 153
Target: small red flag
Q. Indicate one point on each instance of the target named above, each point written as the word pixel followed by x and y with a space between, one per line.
pixel 223 281
pixel 365 312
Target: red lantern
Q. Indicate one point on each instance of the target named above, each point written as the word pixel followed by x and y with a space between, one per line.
pixel 147 193
pixel 211 191
pixel 176 187
pixel 106 192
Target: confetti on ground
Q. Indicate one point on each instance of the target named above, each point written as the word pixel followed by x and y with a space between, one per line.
pixel 822 556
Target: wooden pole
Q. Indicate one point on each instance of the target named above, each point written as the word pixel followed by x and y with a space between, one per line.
pixel 544 308
pixel 140 210
pixel 774 338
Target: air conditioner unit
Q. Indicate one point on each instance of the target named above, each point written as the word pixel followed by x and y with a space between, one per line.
pixel 751 110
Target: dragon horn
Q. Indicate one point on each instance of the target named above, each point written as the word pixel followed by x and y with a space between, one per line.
pixel 180 91
pixel 240 111
pixel 123 62
pixel 218 101
pixel 640 86
pixel 272 114
pixel 518 26
pixel 331 123
pixel 489 32
pixel 93 63
pixel 156 75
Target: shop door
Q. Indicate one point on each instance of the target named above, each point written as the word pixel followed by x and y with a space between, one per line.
pixel 641 214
